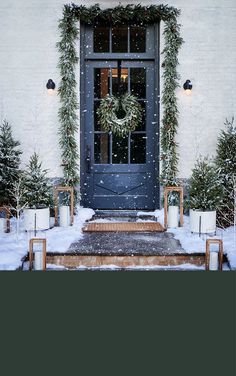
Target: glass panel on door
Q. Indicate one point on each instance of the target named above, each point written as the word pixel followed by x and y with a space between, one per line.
pixel 110 148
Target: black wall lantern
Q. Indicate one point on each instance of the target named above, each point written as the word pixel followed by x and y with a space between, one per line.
pixel 187 86
pixel 50 84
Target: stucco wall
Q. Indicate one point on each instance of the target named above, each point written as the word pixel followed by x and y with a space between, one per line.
pixel 28 58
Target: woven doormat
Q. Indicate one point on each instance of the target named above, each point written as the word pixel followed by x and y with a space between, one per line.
pixel 124 227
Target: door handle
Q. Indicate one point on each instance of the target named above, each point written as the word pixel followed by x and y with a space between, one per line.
pixel 88 160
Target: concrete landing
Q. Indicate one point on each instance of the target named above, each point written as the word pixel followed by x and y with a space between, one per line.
pixel 124 244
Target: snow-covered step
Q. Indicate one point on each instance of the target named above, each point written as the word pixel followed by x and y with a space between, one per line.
pixel 123 215
pixel 79 261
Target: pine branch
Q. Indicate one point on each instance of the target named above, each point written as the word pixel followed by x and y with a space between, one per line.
pixel 67 90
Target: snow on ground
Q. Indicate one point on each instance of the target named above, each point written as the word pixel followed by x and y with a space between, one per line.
pixel 193 243
pixel 59 239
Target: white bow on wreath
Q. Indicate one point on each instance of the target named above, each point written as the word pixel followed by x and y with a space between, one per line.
pixel 109 120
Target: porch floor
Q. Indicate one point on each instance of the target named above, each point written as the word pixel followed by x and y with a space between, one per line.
pixel 126 244
pixel 126 250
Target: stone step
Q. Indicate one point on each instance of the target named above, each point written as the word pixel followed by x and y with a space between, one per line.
pixel 120 243
pixel 123 215
pixel 73 261
pixel 115 262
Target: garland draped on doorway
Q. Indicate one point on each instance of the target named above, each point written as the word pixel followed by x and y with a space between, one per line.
pixel 68 60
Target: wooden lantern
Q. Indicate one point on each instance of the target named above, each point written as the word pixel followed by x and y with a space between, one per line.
pixel 7 212
pixel 167 190
pixel 70 190
pixel 41 241
pixel 220 253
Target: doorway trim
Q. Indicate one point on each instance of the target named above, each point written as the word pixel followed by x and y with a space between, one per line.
pixel 68 59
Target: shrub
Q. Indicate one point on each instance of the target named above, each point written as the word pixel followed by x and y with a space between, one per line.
pixel 36 184
pixel 205 186
pixel 226 163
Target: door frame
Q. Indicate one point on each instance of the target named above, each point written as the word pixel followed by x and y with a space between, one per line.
pixel 156 109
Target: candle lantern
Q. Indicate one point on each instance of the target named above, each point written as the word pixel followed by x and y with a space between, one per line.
pixel 173 215
pixel 214 260
pixel 66 213
pixel 37 254
pixel 5 220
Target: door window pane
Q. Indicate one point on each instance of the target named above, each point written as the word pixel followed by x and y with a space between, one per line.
pixel 97 126
pixel 138 82
pixel 119 149
pixel 101 38
pixel 119 86
pixel 138 148
pixel 142 125
pixel 101 82
pixel 101 148
pixel 120 39
pixel 137 39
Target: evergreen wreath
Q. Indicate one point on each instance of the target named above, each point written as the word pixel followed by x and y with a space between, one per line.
pixel 109 120
pixel 142 15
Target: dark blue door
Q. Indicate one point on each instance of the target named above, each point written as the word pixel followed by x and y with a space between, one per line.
pixel 119 172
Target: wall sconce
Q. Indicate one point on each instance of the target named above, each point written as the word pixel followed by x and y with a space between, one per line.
pixel 187 87
pixel 50 86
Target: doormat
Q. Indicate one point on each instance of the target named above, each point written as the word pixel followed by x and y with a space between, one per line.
pixel 124 227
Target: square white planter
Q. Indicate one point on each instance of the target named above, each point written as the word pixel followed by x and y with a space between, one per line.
pixel 203 222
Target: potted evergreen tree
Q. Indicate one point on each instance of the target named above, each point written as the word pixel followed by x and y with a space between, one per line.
pixel 37 196
pixel 205 196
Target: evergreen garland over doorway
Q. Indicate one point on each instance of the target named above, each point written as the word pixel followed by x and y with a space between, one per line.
pixel 68 60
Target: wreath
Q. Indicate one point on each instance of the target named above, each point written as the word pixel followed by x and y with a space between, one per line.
pixel 107 112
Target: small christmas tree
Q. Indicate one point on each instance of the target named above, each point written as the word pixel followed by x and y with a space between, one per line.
pixel 9 163
pixel 226 163
pixel 205 186
pixel 36 184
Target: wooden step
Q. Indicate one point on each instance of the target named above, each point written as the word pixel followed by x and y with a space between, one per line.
pixel 123 227
pixel 75 261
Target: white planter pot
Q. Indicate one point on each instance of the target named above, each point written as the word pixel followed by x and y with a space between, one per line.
pixel 2 225
pixel 203 222
pixel 64 216
pixel 173 216
pixel 38 217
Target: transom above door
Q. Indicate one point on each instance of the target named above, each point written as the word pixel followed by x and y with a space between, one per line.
pixel 118 172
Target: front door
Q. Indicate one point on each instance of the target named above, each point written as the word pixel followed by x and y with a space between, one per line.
pixel 119 172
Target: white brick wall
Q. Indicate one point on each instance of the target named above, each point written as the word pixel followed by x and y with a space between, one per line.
pixel 28 58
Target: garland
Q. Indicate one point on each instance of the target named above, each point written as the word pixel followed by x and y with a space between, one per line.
pixel 142 15
pixel 68 97
pixel 109 120
pixel 169 156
